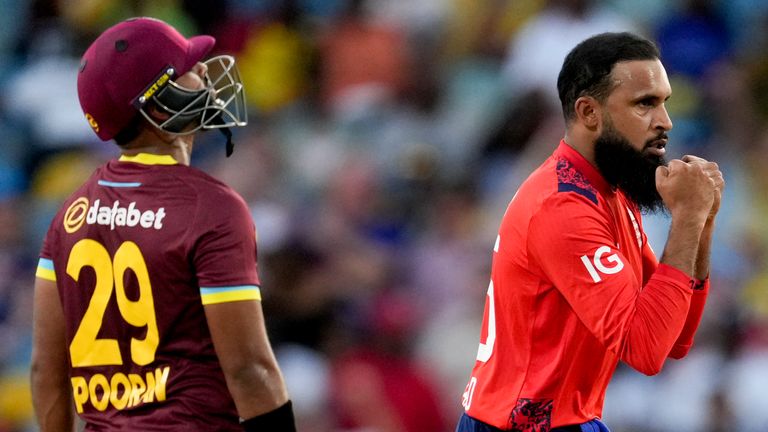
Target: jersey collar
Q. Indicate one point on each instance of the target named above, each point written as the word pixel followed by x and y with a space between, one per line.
pixel 584 167
pixel 149 159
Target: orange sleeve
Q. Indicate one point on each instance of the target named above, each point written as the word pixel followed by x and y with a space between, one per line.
pixel 695 312
pixel 698 301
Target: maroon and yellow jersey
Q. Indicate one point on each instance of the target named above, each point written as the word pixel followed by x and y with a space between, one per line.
pixel 574 288
pixel 136 253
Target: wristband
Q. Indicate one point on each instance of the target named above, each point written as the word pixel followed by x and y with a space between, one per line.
pixel 700 284
pixel 277 420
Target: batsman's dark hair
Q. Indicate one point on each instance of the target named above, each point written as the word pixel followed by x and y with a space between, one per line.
pixel 130 132
pixel 587 68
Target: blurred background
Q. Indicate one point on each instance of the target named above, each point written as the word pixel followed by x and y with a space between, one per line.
pixel 385 140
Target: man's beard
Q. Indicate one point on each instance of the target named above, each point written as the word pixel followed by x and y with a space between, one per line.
pixel 630 170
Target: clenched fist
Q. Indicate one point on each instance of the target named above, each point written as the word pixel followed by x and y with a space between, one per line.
pixel 689 188
pixel 713 171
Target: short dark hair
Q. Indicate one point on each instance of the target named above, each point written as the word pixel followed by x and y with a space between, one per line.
pixel 129 132
pixel 587 68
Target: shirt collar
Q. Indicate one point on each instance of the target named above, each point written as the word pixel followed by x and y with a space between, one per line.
pixel 583 166
pixel 149 159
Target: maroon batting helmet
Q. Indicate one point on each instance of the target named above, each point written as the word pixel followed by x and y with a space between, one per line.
pixel 136 61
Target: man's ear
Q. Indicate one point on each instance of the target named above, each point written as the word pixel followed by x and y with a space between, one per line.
pixel 156 113
pixel 588 112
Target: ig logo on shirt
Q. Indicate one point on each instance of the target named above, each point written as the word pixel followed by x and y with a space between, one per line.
pixel 598 266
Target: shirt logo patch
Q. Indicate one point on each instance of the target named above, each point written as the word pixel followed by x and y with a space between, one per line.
pixel 118 216
pixel 597 266
pixel 75 215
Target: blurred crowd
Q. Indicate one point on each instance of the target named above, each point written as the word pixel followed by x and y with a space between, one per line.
pixel 386 138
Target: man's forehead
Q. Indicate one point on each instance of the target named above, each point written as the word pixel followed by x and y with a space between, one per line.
pixel 641 76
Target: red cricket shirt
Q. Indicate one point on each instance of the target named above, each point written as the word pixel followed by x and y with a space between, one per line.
pixel 575 288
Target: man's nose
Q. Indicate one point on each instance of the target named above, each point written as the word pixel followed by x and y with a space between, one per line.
pixel 662 120
pixel 200 69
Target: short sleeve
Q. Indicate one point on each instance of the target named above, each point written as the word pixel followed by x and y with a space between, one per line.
pixel 45 265
pixel 225 252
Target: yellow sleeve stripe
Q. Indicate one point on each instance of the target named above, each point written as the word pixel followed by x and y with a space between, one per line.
pixel 45 270
pixel 210 295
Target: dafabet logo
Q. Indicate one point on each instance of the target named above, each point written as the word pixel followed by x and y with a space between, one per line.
pixel 75 215
pixel 114 216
